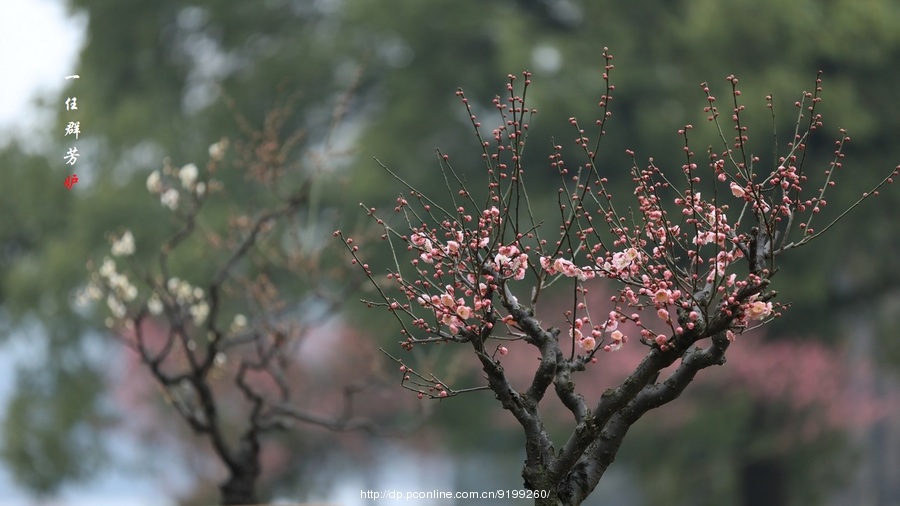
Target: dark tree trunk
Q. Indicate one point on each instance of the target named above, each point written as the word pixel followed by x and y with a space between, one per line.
pixel 762 477
pixel 244 470
pixel 762 483
pixel 240 488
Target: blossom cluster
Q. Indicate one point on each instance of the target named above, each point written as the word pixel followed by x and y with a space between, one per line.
pixel 459 304
pixel 169 194
pixel 588 336
pixel 694 259
pixel 118 288
pixel 454 313
pixel 120 291
pixel 621 265
pixel 189 296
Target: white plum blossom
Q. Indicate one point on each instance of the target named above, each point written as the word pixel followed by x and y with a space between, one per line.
pixel 123 246
pixel 201 189
pixel 130 292
pixel 188 175
pixel 239 323
pixel 108 269
pixel 191 297
pixel 217 150
pixel 154 182
pixel 118 283
pixel 154 305
pixel 199 312
pixel 122 287
pixel 115 306
pixel 170 198
pixel 184 291
pixel 89 294
pixel 93 291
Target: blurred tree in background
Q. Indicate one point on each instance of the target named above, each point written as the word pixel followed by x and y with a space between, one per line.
pixel 156 75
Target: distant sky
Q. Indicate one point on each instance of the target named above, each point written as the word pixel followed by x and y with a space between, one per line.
pixel 39 45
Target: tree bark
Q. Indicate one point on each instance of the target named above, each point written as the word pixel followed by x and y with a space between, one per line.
pixel 762 482
pixel 244 471
pixel 240 487
pixel 762 477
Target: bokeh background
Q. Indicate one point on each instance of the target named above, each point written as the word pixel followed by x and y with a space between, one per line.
pixel 805 412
